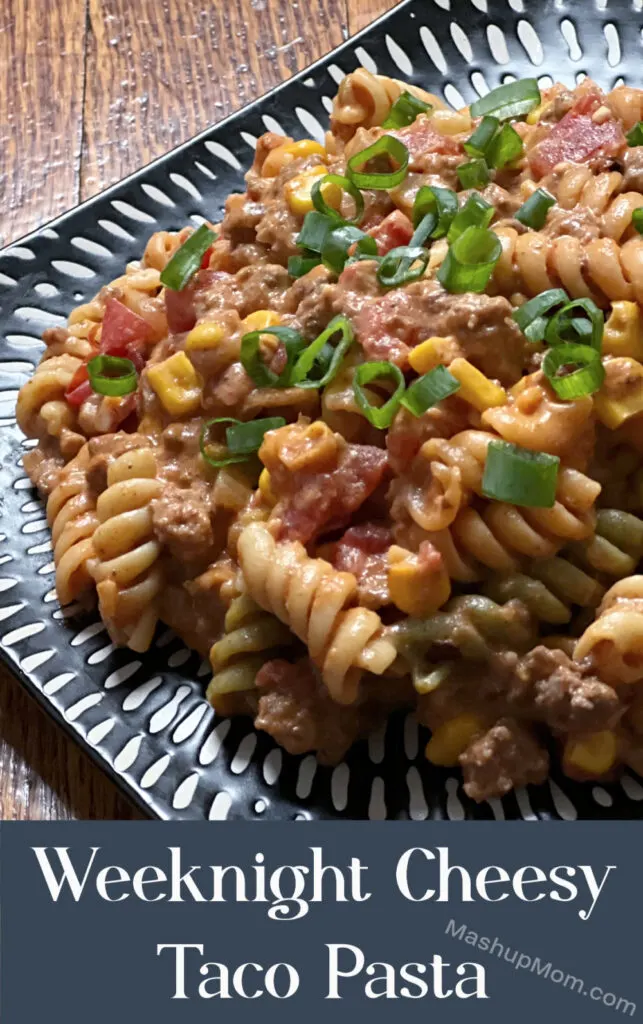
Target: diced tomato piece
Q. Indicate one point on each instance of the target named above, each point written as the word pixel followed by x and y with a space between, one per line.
pixel 122 329
pixel 576 139
pixel 79 387
pixel 393 231
pixel 420 137
pixel 79 394
pixel 205 262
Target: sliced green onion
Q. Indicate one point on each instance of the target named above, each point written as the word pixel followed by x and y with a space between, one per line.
pixel 335 251
pixel 300 265
pixel 112 375
pixel 478 143
pixel 565 327
pixel 254 365
pixel 442 203
pixel 533 212
pixel 187 259
pixel 246 438
pixel 519 476
pixel 380 416
pixel 508 101
pixel 322 356
pixel 476 213
pixel 637 218
pixel 504 148
pixel 387 146
pixel 346 185
pixel 424 229
pixel 587 379
pixel 242 439
pixel 427 391
pixel 405 110
pixel 470 261
pixel 314 230
pixel 530 317
pixel 635 135
pixel 402 265
pixel 474 174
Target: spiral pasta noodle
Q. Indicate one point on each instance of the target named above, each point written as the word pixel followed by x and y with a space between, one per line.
pixel 250 637
pixel 314 600
pixel 615 640
pixel 364 100
pixel 126 570
pixel 600 269
pixel 71 513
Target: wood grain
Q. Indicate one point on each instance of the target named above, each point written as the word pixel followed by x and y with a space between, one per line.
pixel 42 55
pixel 92 90
pixel 158 72
pixel 362 12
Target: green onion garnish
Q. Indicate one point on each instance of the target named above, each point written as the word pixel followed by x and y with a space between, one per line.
pixel 346 185
pixel 242 439
pixel 314 230
pixel 320 356
pixel 478 143
pixel 405 110
pixel 531 318
pixel 635 135
pixel 340 240
pixel 470 261
pixel 254 365
pixel 380 416
pixel 474 174
pixel 519 476
pixel 587 329
pixel 587 379
pixel 300 265
pixel 402 265
pixel 386 146
pixel 112 375
pixel 442 203
pixel 533 212
pixel 427 391
pixel 187 259
pixel 505 147
pixel 476 212
pixel 508 101
pixel 637 218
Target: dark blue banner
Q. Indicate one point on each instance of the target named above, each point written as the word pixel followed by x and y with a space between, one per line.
pixel 244 922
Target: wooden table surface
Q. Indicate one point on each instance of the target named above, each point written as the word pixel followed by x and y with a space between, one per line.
pixel 93 90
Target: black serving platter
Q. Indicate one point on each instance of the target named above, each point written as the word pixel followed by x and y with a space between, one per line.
pixel 144 718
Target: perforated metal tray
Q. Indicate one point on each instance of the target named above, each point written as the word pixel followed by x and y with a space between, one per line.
pixel 144 719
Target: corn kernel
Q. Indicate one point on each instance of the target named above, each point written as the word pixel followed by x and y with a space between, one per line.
pixel 623 334
pixel 591 755
pixel 534 116
pixel 177 385
pixel 451 739
pixel 621 396
pixel 430 353
pixel 298 189
pixel 475 388
pixel 417 587
pixel 261 320
pixel 282 155
pixel 265 488
pixel 204 336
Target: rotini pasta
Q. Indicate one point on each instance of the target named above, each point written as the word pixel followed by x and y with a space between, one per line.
pixel 125 568
pixel 374 437
pixel 315 601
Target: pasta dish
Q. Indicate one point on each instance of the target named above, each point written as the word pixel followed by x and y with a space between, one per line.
pixel 374 441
